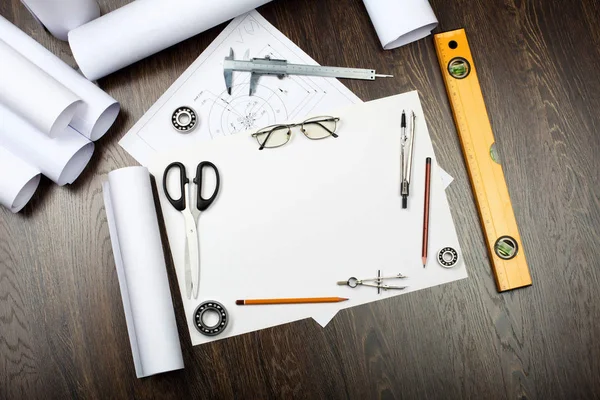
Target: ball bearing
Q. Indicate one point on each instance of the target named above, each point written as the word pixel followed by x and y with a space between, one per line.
pixel 447 257
pixel 184 119
pixel 211 306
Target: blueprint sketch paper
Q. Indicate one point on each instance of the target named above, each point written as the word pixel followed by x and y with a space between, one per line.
pixel 144 27
pixel 400 22
pixel 292 221
pixel 98 111
pixel 202 87
pixel 141 270
pixel 61 16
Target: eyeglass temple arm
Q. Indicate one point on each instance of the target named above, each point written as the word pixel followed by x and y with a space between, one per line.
pixel 262 146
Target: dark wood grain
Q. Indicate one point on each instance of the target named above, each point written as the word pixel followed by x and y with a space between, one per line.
pixel 62 328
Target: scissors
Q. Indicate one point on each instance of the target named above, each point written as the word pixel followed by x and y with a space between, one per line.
pixel 191 211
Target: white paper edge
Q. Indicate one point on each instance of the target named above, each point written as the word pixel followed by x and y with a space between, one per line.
pixel 25 194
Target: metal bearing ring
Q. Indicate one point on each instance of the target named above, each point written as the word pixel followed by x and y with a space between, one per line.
pixel 447 257
pixel 219 326
pixel 184 119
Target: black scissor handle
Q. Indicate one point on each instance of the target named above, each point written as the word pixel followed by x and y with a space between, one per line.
pixel 179 203
pixel 202 203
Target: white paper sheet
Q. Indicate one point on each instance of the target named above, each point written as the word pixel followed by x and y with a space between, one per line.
pixel 61 16
pixel 18 181
pixel 142 272
pixel 292 221
pixel 399 22
pixel 33 94
pixel 202 87
pixel 61 159
pixel 144 27
pixel 98 111
pixel 446 178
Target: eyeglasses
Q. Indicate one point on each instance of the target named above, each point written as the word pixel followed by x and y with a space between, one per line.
pixel 315 128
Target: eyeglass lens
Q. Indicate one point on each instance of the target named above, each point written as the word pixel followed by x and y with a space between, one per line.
pixel 319 127
pixel 273 136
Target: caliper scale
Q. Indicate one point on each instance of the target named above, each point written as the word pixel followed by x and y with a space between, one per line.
pixel 281 69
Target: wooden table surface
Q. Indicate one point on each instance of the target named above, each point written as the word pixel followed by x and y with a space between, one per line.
pixel 62 327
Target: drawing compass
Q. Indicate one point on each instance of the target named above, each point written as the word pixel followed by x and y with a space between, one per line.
pixel 374 282
pixel 281 68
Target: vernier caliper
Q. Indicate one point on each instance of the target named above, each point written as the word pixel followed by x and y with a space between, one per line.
pixel 281 68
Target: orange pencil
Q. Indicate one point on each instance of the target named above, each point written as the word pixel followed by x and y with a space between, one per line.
pixel 290 301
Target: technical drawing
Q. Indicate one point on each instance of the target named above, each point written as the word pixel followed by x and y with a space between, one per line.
pixel 202 88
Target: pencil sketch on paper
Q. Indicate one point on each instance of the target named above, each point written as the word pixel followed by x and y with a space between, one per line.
pixel 202 87
pixel 276 100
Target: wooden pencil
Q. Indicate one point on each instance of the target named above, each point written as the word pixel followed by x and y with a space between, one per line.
pixel 425 241
pixel 290 301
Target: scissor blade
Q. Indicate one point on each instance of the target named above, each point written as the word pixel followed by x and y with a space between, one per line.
pixel 191 234
pixel 188 272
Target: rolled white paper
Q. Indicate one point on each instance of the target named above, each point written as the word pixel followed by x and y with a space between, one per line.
pixel 33 94
pixel 144 27
pixel 400 22
pixel 61 16
pixel 142 272
pixel 61 159
pixel 98 111
pixel 18 181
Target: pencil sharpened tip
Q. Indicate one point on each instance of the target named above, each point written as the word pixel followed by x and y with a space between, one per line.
pixel 343 299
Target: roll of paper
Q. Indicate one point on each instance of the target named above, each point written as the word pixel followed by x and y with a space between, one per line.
pixel 98 111
pixel 18 181
pixel 61 16
pixel 144 27
pixel 33 94
pixel 61 159
pixel 400 22
pixel 142 271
